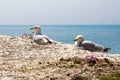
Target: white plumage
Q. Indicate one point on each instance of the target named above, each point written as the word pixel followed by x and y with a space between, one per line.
pixel 38 37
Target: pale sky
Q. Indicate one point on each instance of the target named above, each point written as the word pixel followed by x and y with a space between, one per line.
pixel 63 12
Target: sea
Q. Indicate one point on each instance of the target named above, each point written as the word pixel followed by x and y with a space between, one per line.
pixel 106 35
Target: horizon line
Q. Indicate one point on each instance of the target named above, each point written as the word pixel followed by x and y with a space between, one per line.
pixel 57 24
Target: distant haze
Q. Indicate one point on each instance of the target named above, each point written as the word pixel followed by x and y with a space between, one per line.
pixel 63 12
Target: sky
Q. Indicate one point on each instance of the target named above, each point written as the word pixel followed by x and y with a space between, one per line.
pixel 59 12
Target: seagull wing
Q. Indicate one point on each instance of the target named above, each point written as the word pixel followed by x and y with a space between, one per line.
pixel 91 46
pixel 41 39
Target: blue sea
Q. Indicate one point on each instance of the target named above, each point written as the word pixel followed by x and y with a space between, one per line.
pixel 106 35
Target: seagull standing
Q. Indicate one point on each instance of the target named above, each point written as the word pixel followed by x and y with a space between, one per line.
pixel 38 37
pixel 89 45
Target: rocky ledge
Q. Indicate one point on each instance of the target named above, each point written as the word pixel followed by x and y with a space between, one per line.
pixel 21 59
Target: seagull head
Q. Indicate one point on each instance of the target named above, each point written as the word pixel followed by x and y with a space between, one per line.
pixel 37 29
pixel 78 39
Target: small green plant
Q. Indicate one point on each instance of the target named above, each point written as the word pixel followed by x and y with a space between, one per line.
pixel 77 77
pixel 114 76
pixel 62 59
pixel 77 61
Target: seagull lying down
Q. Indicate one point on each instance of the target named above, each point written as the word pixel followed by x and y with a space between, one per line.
pixel 89 45
pixel 38 37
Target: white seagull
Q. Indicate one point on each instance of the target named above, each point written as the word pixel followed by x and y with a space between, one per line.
pixel 38 37
pixel 89 45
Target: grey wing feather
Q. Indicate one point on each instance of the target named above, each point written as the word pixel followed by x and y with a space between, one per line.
pixel 91 46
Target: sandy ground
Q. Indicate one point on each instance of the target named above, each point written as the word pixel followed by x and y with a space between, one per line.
pixel 22 60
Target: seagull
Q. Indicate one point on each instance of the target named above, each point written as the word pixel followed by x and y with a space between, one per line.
pixel 38 37
pixel 89 45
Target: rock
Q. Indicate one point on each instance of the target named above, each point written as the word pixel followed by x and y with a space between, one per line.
pixel 21 59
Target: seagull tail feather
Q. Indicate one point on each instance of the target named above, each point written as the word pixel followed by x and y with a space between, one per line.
pixel 107 49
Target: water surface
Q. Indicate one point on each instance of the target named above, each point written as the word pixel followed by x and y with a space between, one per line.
pixel 107 35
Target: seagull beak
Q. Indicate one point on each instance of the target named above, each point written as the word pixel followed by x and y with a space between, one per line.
pixel 32 28
pixel 75 40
